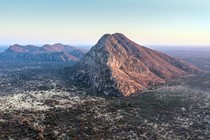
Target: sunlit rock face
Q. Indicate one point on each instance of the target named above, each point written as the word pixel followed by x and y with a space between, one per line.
pixel 118 66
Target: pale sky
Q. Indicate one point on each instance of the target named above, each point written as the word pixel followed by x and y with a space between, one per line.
pixel 152 22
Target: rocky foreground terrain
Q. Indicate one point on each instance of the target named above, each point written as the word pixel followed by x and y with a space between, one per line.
pixel 56 108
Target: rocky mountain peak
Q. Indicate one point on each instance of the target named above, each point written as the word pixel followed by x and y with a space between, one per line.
pixel 118 66
pixel 53 48
pixel 21 49
pixel 16 48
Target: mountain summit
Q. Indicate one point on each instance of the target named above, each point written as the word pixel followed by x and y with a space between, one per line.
pixel 116 65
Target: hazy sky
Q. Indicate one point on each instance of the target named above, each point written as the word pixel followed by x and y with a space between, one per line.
pixel 176 22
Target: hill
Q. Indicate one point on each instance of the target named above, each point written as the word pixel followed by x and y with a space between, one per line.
pixel 118 66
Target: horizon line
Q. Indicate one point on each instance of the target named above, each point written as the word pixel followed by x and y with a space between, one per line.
pixel 91 45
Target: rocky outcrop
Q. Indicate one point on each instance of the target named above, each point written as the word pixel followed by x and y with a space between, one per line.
pixel 119 66
pixel 56 52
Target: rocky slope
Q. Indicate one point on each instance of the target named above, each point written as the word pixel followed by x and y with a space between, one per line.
pixel 56 52
pixel 119 66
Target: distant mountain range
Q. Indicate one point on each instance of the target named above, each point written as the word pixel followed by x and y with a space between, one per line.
pixel 56 52
pixel 118 66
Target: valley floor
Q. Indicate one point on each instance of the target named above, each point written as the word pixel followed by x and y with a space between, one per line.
pixel 38 103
